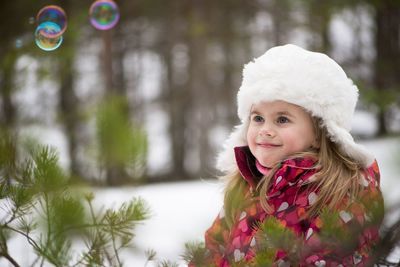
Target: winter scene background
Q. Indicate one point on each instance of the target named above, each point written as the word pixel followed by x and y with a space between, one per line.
pixel 177 65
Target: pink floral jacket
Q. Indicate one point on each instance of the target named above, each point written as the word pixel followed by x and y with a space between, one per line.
pixel 291 196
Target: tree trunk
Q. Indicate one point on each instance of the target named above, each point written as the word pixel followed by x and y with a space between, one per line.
pixel 176 97
pixel 387 61
pixel 200 111
pixel 227 93
pixel 320 14
pixel 8 109
pixel 69 109
pixel 115 172
pixel 68 101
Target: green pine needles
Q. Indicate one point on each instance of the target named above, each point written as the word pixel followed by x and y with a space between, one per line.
pixel 38 204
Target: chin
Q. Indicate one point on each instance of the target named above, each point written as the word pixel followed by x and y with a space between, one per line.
pixel 266 163
pixel 269 163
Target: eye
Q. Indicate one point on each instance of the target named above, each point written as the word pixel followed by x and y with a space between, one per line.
pixel 257 118
pixel 282 120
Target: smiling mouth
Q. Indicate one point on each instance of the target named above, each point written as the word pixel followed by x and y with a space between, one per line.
pixel 267 145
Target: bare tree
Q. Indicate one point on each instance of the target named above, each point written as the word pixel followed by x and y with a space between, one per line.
pixel 387 61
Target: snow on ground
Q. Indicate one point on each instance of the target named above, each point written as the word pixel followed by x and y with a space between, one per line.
pixel 387 153
pixel 181 212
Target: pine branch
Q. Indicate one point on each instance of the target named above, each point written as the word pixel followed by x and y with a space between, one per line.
pixel 151 256
pixel 115 248
pixel 31 241
pixel 167 264
pixel 48 223
pixel 38 194
pixel 9 258
pixel 196 253
pixel 388 242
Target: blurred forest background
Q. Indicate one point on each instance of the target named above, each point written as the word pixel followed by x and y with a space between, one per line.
pixel 152 99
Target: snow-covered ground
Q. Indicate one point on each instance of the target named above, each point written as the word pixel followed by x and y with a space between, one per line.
pixel 181 212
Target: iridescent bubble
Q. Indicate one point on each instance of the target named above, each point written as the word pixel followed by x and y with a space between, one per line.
pixel 53 14
pixel 42 33
pixel 104 14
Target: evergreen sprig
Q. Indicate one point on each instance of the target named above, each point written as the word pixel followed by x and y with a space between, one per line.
pixel 39 204
pixel 196 253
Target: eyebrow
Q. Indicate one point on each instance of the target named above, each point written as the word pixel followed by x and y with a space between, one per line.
pixel 279 113
pixel 285 113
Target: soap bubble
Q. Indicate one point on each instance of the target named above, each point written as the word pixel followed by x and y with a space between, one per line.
pixel 53 14
pixel 42 33
pixel 104 14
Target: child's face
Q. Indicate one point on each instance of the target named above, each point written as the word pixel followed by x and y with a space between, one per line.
pixel 277 130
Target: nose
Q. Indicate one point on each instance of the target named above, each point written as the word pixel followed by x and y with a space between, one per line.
pixel 267 131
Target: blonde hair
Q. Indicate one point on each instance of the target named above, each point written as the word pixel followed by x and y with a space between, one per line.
pixel 337 175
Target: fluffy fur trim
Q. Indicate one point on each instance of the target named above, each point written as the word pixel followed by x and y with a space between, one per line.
pixel 304 78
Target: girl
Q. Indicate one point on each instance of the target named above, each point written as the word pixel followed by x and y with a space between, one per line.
pixel 292 159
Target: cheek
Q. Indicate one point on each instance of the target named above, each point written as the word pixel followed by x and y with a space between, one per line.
pixel 290 139
pixel 294 142
pixel 298 142
pixel 250 135
pixel 311 138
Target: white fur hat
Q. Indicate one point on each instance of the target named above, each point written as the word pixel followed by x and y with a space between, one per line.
pixel 304 78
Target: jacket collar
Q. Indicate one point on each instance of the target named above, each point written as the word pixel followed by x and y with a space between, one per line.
pixel 247 167
pixel 246 163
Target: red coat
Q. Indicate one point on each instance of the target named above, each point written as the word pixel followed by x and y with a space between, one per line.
pixel 291 196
